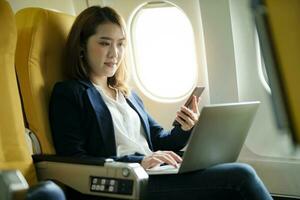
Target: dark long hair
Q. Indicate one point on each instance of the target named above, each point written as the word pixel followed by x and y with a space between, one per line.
pixel 84 27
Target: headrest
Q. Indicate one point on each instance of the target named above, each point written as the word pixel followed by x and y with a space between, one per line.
pixel 8 36
pixel 42 35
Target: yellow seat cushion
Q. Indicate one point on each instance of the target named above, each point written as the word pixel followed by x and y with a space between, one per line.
pixel 42 35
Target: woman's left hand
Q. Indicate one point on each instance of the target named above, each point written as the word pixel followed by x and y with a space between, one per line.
pixel 188 117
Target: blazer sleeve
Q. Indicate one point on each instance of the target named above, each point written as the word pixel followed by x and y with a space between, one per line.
pixel 66 120
pixel 174 139
pixel 132 158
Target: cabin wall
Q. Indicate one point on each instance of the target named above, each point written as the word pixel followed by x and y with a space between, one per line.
pixel 219 50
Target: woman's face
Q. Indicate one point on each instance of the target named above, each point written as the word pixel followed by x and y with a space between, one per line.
pixel 105 50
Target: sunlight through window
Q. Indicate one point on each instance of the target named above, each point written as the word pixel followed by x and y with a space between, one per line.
pixel 164 52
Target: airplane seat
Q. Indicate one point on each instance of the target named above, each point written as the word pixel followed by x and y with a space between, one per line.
pixel 42 35
pixel 13 186
pixel 15 160
pixel 278 29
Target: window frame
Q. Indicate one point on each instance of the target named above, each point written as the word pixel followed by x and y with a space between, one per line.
pixel 135 68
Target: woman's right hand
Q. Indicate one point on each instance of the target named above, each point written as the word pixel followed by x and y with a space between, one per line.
pixel 161 157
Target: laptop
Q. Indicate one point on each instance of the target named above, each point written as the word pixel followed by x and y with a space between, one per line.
pixel 217 137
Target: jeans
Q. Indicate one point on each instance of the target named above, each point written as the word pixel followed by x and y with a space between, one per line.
pixel 45 190
pixel 225 181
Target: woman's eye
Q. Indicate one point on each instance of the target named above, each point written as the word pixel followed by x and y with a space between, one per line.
pixel 121 44
pixel 104 43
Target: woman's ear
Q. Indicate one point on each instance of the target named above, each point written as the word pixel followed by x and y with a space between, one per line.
pixel 82 51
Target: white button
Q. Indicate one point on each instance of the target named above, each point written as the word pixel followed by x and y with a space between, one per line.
pixel 103 181
pixel 95 180
pixel 125 172
pixel 111 188
pixel 98 187
pixel 112 182
pixel 93 187
pixel 102 187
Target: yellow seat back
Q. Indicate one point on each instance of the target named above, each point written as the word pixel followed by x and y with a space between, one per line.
pixel 42 36
pixel 14 152
pixel 284 22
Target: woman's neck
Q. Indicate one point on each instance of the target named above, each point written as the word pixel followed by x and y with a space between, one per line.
pixel 101 81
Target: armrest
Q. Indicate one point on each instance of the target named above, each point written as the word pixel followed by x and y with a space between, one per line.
pixel 12 185
pixel 100 177
pixel 66 159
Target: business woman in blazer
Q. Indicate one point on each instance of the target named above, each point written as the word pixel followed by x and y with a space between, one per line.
pixel 94 114
pixel 82 124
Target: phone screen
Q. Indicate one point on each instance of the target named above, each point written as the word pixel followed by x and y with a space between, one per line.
pixel 197 92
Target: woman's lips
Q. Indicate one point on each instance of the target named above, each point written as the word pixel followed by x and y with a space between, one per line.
pixel 110 64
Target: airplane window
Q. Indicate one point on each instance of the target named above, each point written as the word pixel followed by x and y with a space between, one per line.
pixel 164 52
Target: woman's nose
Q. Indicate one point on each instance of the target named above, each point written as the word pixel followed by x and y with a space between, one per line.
pixel 113 51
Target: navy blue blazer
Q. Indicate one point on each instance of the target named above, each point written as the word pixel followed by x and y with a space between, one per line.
pixel 82 125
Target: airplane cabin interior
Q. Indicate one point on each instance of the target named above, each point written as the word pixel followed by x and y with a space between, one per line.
pixel 239 50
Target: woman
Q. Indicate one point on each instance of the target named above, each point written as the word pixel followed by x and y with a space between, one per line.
pixel 94 114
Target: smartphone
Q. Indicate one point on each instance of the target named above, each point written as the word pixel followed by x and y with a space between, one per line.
pixel 197 92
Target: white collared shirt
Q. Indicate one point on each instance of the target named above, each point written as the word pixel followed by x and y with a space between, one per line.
pixel 129 133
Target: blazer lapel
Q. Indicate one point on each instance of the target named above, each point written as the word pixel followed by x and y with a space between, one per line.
pixel 104 118
pixel 143 116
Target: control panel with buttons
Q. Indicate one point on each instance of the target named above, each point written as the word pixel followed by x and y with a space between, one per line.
pixel 111 185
